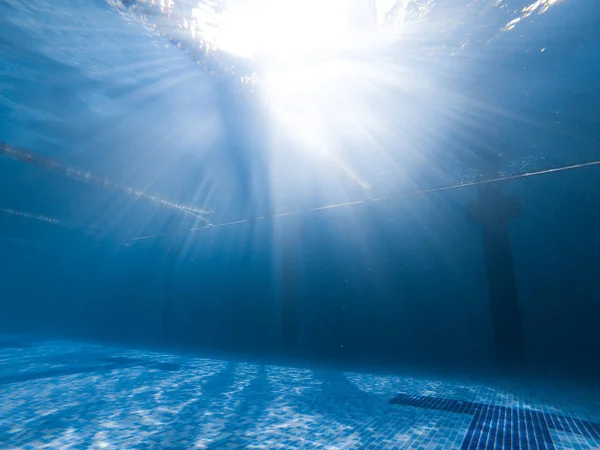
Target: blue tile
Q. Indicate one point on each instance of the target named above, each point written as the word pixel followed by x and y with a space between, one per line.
pixel 69 394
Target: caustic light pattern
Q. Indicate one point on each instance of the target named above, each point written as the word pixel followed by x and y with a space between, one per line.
pixel 71 395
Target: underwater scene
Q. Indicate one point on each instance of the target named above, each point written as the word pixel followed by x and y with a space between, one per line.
pixel 300 224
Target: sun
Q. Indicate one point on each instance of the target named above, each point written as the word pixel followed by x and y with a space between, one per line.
pixel 276 29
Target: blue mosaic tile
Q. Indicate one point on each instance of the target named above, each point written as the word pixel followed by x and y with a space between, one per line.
pixel 72 395
pixel 496 426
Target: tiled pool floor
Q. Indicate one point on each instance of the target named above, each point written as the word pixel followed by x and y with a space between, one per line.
pixel 72 395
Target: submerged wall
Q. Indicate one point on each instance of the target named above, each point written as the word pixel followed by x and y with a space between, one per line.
pixel 389 284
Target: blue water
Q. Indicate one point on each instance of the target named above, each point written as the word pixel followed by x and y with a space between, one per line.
pixel 283 196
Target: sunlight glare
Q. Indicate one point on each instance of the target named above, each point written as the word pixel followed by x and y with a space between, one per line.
pixel 277 29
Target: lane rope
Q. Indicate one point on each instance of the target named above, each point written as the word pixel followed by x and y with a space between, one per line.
pixel 380 199
pixel 83 176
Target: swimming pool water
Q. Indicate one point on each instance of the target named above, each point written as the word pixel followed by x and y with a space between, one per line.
pixel 317 185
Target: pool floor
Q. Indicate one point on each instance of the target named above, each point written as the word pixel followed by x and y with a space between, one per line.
pixel 74 395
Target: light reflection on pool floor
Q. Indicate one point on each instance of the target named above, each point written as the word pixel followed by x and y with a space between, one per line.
pixel 73 395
